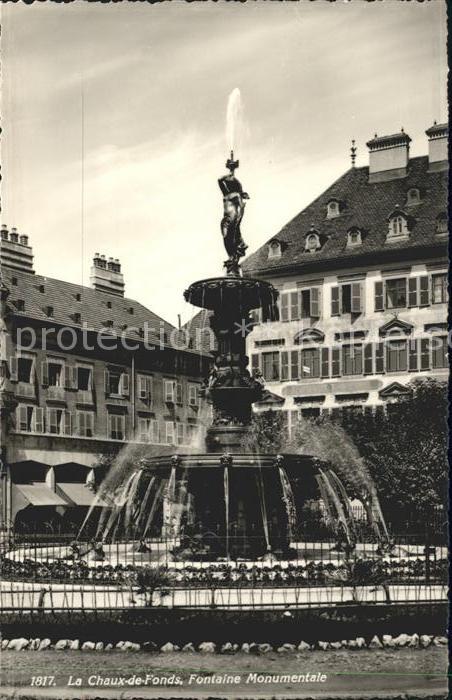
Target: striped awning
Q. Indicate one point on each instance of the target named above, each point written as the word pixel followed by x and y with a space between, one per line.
pixel 79 494
pixel 39 494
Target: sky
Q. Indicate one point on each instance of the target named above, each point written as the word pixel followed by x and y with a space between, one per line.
pixel 114 122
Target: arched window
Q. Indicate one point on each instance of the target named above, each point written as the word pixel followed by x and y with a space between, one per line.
pixel 353 237
pixel 398 225
pixel 274 249
pixel 333 209
pixel 413 196
pixel 312 242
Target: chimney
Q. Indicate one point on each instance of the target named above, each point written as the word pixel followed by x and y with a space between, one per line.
pixel 15 251
pixel 437 147
pixel 106 275
pixel 388 157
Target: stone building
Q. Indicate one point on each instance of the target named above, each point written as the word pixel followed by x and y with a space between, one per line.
pixel 84 370
pixel 362 276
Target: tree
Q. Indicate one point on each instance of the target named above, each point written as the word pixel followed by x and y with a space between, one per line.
pixel 405 450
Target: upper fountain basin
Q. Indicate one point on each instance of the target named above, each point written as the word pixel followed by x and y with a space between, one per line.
pixel 242 293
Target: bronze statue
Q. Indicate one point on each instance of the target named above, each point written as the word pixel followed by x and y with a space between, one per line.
pixel 234 200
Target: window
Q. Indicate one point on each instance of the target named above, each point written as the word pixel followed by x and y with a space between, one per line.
pixel 396 356
pixel 274 249
pixel 312 242
pixel 25 369
pixel 413 196
pixel 193 399
pixel 353 238
pixel 148 430
pixel 52 374
pixel 116 383
pixel 78 297
pixel 442 223
pixel 20 305
pixel 332 209
pixel 49 311
pixel 180 433
pixel 84 378
pixel 59 421
pixel 116 427
pixel 270 366
pixel 439 352
pixel 85 423
pixel 77 318
pixel 310 362
pixel 172 391
pixel 347 298
pixel 145 388
pixel 439 288
pixel 29 419
pixel 14 281
pixel 169 432
pixel 397 227
pixel 396 293
pixel 352 359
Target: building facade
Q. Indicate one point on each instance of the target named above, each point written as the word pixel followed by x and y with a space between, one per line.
pixel 84 371
pixel 362 276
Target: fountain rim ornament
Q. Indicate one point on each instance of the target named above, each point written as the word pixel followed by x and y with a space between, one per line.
pixel 209 292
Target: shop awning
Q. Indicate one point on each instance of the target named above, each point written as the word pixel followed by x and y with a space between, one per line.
pixel 39 494
pixel 79 495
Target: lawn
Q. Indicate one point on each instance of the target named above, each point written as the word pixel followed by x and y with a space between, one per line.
pixel 414 673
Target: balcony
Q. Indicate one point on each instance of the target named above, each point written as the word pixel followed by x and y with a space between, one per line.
pixel 56 393
pixel 26 389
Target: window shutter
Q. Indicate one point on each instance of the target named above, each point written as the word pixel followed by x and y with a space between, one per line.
pixel 425 353
pixel 413 348
pixel 368 358
pixel 80 423
pixel 379 306
pixel 315 367
pixel 284 307
pixel 294 364
pixel 67 423
pixel 379 358
pixel 38 420
pixel 255 364
pixel 22 417
pixel 107 381
pixel 325 362
pixel 142 388
pixel 180 433
pixel 124 384
pixel 149 386
pixel 335 362
pixel 67 376
pixel 403 358
pixel 356 303
pixel 358 359
pixel 424 290
pixel 294 306
pixel 284 366
pixel 315 302
pixel 335 301
pixel 143 430
pixel 412 291
pixel 52 421
pixel 13 369
pixel 154 428
pixel 45 374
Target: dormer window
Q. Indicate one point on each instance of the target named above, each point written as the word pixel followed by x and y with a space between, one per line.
pixel 312 242
pixel 397 225
pixel 413 196
pixel 274 249
pixel 333 209
pixel 442 223
pixel 354 237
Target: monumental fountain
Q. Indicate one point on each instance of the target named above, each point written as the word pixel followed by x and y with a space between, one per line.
pixel 232 503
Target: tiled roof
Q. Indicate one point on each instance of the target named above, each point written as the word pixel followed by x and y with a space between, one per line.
pixel 198 329
pixel 366 206
pixel 93 305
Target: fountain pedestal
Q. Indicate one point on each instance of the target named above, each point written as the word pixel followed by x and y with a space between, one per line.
pixel 231 387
